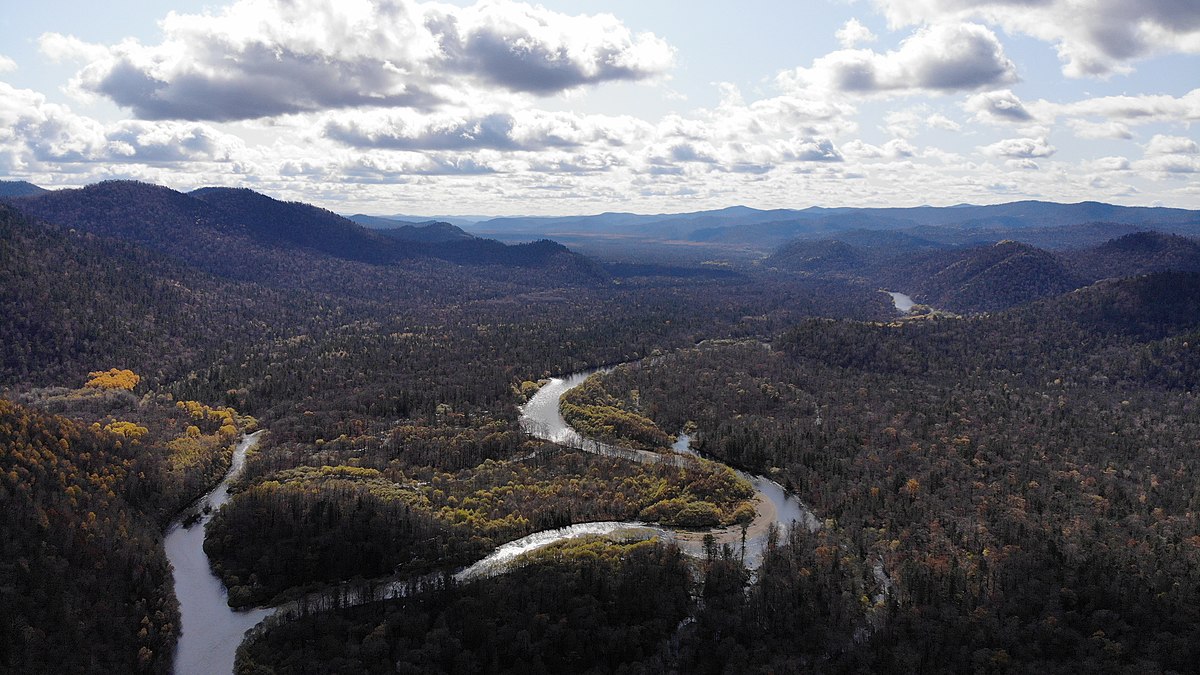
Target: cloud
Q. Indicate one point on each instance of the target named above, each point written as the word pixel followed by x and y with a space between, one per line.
pixel 7 65
pixel 1099 130
pixel 1093 37
pixel 1141 109
pixel 939 58
pixel 1000 106
pixel 939 121
pixel 1169 165
pixel 38 132
pixel 517 131
pixel 262 58
pixel 157 142
pixel 1172 145
pixel 1020 148
pixel 33 130
pixel 854 33
pixel 895 149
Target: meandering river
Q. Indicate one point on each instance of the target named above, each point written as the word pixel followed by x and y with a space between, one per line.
pixel 211 631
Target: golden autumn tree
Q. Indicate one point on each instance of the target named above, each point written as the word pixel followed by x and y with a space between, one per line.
pixel 113 379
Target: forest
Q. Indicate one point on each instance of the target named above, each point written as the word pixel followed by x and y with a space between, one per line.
pixel 1019 467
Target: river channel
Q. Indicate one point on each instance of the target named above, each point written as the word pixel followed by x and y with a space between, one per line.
pixel 211 631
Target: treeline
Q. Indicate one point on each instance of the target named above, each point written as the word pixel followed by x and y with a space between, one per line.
pixel 595 606
pixel 577 607
pixel 1027 478
pixel 84 581
pixel 318 524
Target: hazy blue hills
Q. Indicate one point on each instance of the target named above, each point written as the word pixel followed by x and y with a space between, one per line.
pixel 240 233
pixel 982 277
pixel 769 228
pixel 19 188
pixel 428 232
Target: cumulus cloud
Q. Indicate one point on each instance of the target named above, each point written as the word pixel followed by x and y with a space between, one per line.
pixel 1171 145
pixel 7 65
pixel 854 33
pixel 897 148
pixel 943 57
pixel 1000 106
pixel 35 131
pixel 521 130
pixel 261 58
pixel 1170 165
pixel 1143 109
pixel 1020 148
pixel 1093 37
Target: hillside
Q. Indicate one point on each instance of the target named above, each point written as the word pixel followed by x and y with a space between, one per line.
pixel 1138 253
pixel 429 232
pixel 19 188
pixel 277 223
pixel 240 234
pixel 988 278
pixel 72 301
pixel 822 257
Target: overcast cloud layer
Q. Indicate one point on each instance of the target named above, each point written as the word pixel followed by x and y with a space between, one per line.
pixel 397 105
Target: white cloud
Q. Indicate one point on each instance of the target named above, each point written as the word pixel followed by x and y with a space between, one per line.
pixel 940 58
pixel 897 148
pixel 1020 148
pixel 854 33
pixel 1097 130
pixel 520 130
pixel 997 107
pixel 1093 37
pixel 261 58
pixel 1169 165
pixel 1172 145
pixel 37 132
pixel 7 65
pixel 940 121
pixel 1141 109
pixel 1109 164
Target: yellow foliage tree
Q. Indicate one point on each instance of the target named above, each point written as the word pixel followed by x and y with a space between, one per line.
pixel 126 429
pixel 113 379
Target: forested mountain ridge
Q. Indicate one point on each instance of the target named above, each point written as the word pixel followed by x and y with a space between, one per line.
pixel 273 222
pixel 985 277
pixel 429 231
pixel 241 234
pixel 72 301
pixel 769 229
pixel 19 188
pixel 988 278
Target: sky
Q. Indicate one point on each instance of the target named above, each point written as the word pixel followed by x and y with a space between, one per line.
pixel 578 106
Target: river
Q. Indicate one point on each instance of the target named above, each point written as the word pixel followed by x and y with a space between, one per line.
pixel 774 505
pixel 209 630
pixel 902 302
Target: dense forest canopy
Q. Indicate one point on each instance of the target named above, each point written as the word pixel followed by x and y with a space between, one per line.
pixel 1005 479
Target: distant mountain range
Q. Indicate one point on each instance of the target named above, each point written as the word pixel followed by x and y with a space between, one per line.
pixel 19 188
pixel 770 228
pixel 431 232
pixel 962 258
pixel 225 230
pixel 985 277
